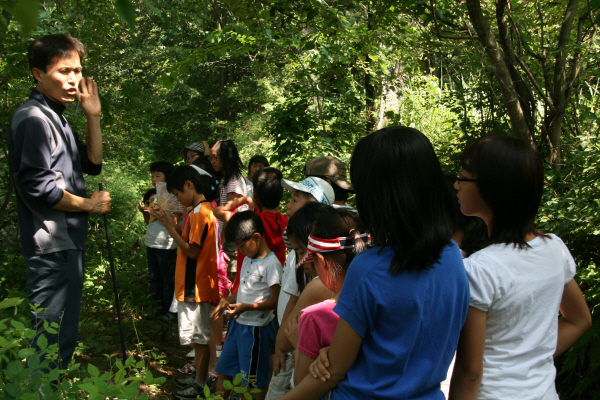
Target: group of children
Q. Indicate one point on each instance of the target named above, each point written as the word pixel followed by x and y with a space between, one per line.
pixel 369 306
pixel 232 246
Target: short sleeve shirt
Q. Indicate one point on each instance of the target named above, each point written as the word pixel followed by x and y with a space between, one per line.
pixel 256 278
pixel 520 290
pixel 410 323
pixel 197 280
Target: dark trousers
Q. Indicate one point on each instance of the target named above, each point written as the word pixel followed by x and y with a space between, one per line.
pixel 55 282
pixel 161 276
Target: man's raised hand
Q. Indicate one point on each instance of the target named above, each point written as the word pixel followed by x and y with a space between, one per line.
pixel 88 97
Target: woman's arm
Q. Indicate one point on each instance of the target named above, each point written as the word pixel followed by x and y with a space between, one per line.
pixel 575 317
pixel 468 367
pixel 342 354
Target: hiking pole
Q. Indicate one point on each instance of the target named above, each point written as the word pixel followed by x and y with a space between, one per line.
pixel 114 279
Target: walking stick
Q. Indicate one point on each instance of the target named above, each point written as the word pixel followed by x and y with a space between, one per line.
pixel 114 279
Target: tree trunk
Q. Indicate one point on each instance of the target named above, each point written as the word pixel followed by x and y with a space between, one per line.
pixel 560 99
pixel 500 70
pixel 369 87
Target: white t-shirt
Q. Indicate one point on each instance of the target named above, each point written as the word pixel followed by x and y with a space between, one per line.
pixel 256 277
pixel 520 290
pixel 157 236
pixel 236 184
pixel 289 269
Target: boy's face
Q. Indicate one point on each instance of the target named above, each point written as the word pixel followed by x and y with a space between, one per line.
pixel 253 168
pixel 158 177
pixel 301 250
pixel 299 199
pixel 250 247
pixel 186 197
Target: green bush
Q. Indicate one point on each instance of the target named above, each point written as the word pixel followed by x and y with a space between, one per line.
pixel 24 372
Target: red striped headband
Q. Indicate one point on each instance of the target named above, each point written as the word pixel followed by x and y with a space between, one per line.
pixel 317 245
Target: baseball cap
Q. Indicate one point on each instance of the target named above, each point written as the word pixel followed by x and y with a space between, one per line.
pixel 319 188
pixel 330 167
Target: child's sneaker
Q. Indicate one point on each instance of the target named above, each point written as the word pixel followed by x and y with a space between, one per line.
pixel 191 392
pixel 184 382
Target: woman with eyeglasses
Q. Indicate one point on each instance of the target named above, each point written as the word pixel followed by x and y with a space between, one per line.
pixel 519 281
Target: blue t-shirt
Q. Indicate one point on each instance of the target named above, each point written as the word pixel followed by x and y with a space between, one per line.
pixel 409 322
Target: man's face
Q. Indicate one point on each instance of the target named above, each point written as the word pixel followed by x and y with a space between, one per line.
pixel 61 79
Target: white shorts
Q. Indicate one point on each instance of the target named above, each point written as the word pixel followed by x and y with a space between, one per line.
pixel 193 320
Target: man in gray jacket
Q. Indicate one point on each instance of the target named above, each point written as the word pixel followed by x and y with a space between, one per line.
pixel 47 162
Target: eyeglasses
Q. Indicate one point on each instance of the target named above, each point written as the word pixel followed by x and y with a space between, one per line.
pixel 461 179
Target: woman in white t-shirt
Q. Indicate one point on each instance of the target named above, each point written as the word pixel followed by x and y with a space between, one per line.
pixel 519 282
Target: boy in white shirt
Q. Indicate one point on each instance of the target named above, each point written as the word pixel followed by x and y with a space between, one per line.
pixel 253 327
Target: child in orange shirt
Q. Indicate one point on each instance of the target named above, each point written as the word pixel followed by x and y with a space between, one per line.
pixel 196 275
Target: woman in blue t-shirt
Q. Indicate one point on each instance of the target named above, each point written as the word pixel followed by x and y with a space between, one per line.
pixel 405 300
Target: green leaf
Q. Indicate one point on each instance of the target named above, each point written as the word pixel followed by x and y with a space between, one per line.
pixel 24 353
pixel 18 325
pixel 53 375
pixel 13 301
pixel 247 396
pixel 126 12
pixel 26 13
pixel 92 370
pixel 227 385
pixel 42 342
pixel 240 389
pixel 206 391
pixel 237 379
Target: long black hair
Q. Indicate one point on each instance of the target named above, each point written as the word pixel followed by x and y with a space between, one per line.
pixel 232 163
pixel 510 179
pixel 401 196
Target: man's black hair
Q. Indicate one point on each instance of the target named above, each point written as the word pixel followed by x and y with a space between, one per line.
pixel 202 183
pixel 47 49
pixel 267 187
pixel 242 226
pixel 162 166
pixel 258 159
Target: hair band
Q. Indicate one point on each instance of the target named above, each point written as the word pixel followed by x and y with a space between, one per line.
pixel 318 245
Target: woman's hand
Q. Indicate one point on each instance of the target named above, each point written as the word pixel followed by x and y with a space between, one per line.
pixel 319 368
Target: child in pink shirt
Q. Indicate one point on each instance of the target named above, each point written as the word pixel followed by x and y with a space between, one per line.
pixel 335 239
